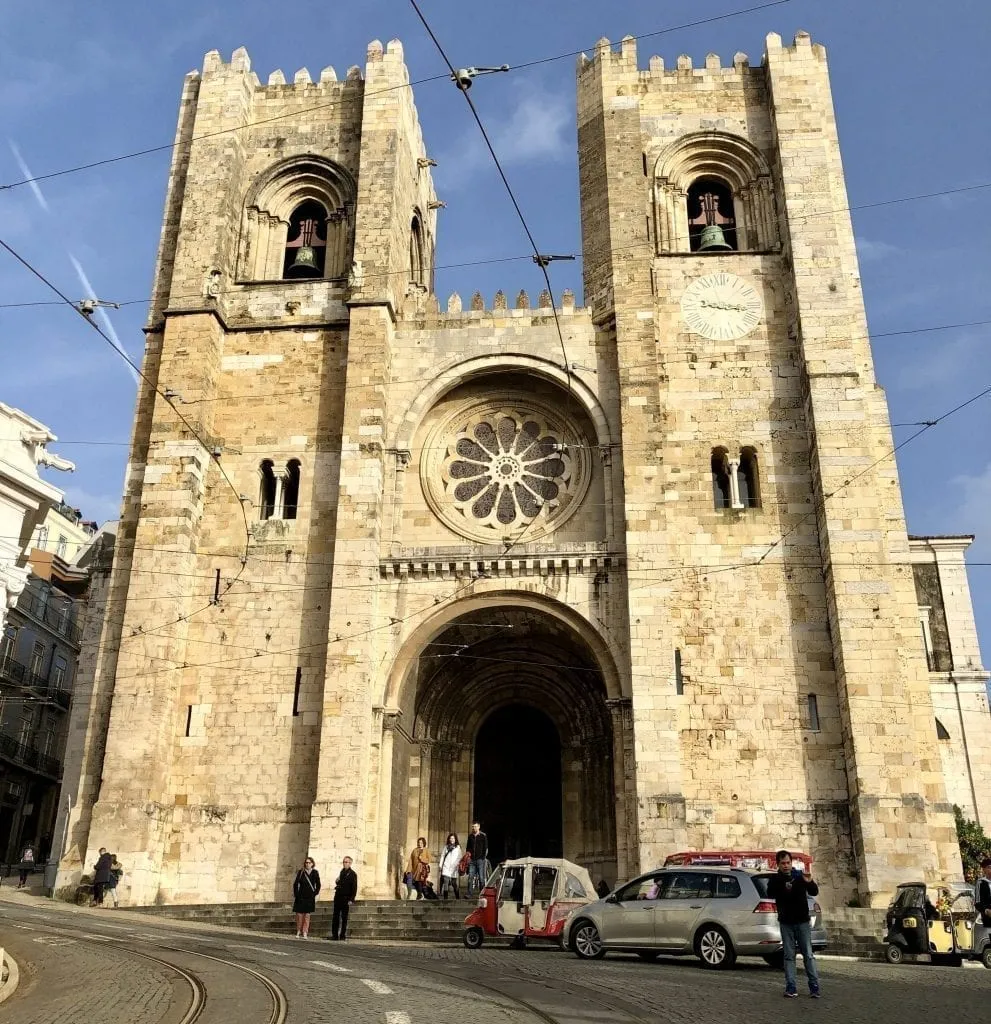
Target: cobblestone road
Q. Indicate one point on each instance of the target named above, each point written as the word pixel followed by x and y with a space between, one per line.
pixel 364 983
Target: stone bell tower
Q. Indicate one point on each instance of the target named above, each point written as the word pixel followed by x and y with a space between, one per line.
pixel 719 251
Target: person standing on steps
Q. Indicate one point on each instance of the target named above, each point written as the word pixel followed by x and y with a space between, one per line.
pixel 419 866
pixel 450 864
pixel 790 889
pixel 477 847
pixel 101 876
pixel 26 866
pixel 305 889
pixel 345 893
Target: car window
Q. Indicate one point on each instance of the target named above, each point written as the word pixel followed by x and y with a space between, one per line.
pixel 573 887
pixel 543 884
pixel 688 886
pixel 727 887
pixel 512 886
pixel 642 889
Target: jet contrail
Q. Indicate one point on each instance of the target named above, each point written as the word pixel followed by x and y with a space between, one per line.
pixel 80 273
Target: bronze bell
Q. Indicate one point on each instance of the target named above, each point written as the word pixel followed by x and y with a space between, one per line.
pixel 305 263
pixel 713 238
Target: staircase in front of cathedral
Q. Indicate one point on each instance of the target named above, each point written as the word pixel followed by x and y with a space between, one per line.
pixel 372 920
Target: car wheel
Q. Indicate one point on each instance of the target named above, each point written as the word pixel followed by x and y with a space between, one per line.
pixel 586 941
pixel 714 949
pixel 474 937
pixel 776 961
pixel 650 955
pixel 893 954
pixel 986 957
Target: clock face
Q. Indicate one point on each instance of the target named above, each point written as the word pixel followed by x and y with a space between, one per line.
pixel 721 307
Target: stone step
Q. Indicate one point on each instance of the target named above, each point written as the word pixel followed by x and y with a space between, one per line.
pixel 428 921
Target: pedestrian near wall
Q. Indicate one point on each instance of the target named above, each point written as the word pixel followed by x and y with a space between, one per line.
pixel 345 893
pixel 101 876
pixel 419 866
pixel 305 889
pixel 26 865
pixel 450 864
pixel 982 892
pixel 116 874
pixel 790 889
pixel 477 847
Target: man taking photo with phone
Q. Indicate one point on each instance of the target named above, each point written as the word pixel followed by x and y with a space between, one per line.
pixel 791 889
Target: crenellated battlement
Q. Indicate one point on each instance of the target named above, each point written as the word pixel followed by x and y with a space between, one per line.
pixel 623 62
pixel 521 308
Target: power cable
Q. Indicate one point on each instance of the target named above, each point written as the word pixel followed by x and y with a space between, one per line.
pixel 166 147
pixel 165 396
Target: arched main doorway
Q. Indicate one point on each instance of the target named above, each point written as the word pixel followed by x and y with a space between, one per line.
pixel 517 783
pixel 505 721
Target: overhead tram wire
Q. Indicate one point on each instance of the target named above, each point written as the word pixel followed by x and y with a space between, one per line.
pixel 166 398
pixel 166 147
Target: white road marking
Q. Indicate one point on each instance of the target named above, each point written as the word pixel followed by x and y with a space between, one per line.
pixel 257 949
pixel 55 940
pixel 397 1017
pixel 331 967
pixel 377 987
pixel 90 935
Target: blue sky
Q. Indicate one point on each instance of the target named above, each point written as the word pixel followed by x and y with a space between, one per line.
pixel 86 81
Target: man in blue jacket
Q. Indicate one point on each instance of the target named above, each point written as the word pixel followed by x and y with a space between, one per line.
pixel 790 889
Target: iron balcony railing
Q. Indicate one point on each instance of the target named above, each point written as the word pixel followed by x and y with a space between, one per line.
pixel 28 757
pixel 20 675
pixel 57 616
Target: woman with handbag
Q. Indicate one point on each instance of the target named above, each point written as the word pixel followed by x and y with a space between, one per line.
pixel 305 889
pixel 450 865
pixel 419 866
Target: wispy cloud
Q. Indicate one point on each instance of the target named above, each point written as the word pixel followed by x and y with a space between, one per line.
pixel 972 512
pixel 101 313
pixel 942 362
pixel 870 251
pixel 535 130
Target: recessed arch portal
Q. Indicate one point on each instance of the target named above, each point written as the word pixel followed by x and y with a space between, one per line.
pixel 518 694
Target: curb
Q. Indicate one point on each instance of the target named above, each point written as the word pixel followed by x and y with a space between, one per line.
pixel 9 985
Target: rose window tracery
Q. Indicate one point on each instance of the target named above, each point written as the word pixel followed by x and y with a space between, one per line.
pixel 502 469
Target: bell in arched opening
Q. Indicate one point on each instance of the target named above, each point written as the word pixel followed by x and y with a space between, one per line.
pixel 307 246
pixel 711 218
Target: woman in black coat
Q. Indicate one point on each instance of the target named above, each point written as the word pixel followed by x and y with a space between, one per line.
pixel 304 890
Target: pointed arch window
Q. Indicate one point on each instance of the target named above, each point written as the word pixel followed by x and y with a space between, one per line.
pixel 306 247
pixel 417 269
pixel 721 488
pixel 711 216
pixel 266 501
pixel 749 478
pixel 290 490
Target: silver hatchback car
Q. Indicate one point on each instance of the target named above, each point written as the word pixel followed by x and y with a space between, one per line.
pixel 717 914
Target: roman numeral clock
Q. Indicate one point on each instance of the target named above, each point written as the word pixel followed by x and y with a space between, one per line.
pixel 721 307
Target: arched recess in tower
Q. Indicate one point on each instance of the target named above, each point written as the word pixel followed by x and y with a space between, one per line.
pixel 272 204
pixel 510 719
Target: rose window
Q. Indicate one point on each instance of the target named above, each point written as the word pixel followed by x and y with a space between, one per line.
pixel 503 469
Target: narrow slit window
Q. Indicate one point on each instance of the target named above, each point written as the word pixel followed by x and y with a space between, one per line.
pixel 749 479
pixel 189 718
pixel 942 733
pixel 679 680
pixel 295 696
pixel 720 478
pixel 266 502
pixel 711 216
pixel 813 713
pixel 290 493
pixel 416 262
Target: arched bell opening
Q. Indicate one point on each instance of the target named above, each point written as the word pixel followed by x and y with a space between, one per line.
pixel 506 721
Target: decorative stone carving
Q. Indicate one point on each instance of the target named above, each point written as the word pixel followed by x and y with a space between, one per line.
pixel 493 469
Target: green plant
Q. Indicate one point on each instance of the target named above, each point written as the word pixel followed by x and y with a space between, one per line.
pixel 974 844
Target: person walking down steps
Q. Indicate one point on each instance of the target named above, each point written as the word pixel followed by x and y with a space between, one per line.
pixel 305 889
pixel 450 866
pixel 345 893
